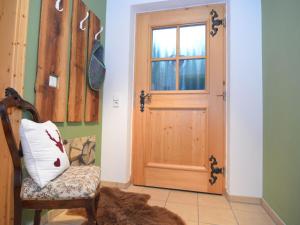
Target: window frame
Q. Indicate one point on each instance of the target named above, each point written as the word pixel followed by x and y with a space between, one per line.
pixel 178 58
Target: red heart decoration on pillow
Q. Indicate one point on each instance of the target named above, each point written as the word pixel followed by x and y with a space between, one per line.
pixel 57 163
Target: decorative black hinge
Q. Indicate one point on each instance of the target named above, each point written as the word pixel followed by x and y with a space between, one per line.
pixel 214 170
pixel 215 22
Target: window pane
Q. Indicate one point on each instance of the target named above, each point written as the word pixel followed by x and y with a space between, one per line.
pixel 163 75
pixel 192 40
pixel 164 43
pixel 192 74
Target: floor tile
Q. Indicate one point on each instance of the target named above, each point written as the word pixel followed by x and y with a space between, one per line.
pixel 67 219
pixel 250 218
pixel 183 197
pixel 192 223
pixel 247 207
pixel 108 184
pixel 216 215
pixel 56 223
pixel 185 211
pixel 156 203
pixel 156 193
pixel 213 200
pixel 69 222
pixel 195 209
pixel 133 188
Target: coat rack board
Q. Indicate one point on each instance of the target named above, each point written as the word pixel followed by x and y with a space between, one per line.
pixel 52 96
pixel 92 97
pixel 78 62
pixel 50 86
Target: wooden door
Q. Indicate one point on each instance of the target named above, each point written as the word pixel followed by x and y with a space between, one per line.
pixel 181 68
pixel 13 29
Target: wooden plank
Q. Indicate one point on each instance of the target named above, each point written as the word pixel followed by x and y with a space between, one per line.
pixel 52 59
pixel 13 22
pixel 92 97
pixel 78 63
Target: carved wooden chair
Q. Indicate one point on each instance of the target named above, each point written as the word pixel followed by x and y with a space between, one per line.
pixel 27 194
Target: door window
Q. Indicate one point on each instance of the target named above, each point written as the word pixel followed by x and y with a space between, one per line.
pixel 179 58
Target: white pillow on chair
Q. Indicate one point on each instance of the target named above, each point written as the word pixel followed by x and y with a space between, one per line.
pixel 45 157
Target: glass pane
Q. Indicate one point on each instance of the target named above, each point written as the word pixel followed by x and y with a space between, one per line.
pixel 164 43
pixel 192 74
pixel 163 75
pixel 192 40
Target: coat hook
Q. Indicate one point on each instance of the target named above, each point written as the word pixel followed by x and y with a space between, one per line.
pixel 57 6
pixel 83 20
pixel 97 34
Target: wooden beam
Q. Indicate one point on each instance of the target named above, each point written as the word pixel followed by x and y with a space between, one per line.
pixel 13 23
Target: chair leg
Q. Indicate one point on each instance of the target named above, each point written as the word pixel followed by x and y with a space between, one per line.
pixel 90 210
pixel 37 217
pixel 17 208
pixel 97 202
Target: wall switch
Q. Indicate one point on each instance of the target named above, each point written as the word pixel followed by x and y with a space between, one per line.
pixel 116 102
pixel 53 80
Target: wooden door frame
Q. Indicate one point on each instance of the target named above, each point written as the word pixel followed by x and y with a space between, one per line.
pixel 13 58
pixel 226 88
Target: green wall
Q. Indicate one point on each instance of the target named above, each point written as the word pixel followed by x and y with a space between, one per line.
pixel 68 130
pixel 281 85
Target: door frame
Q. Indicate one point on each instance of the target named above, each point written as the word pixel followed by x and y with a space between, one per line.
pixel 226 88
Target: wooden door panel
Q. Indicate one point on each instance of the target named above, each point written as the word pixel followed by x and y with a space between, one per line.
pixel 176 179
pixel 179 130
pixel 177 137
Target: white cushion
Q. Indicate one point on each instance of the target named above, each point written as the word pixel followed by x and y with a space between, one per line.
pixel 45 157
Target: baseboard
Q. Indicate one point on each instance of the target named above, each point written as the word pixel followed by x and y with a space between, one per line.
pixel 257 201
pixel 116 184
pixel 243 199
pixel 275 217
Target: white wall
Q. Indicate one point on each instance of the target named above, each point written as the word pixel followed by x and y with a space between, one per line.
pixel 244 105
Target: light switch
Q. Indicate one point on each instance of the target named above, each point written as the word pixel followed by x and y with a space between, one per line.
pixel 116 102
pixel 53 80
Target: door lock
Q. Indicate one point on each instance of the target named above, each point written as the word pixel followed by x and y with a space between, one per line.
pixel 143 96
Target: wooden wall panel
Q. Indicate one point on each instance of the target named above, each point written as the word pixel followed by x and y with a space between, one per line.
pixel 53 59
pixel 78 63
pixel 13 23
pixel 92 97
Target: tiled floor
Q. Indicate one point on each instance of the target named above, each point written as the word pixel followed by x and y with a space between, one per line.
pixel 194 208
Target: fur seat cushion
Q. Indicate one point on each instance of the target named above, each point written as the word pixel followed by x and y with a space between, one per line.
pixel 77 182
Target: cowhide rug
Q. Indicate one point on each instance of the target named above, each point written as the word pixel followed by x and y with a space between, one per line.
pixel 117 207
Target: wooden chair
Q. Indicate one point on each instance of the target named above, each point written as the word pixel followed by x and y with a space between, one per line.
pixel 13 100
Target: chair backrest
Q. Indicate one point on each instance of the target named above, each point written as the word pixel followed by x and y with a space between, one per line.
pixel 13 100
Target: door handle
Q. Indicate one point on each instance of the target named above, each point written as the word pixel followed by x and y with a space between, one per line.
pixel 143 96
pixel 222 95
